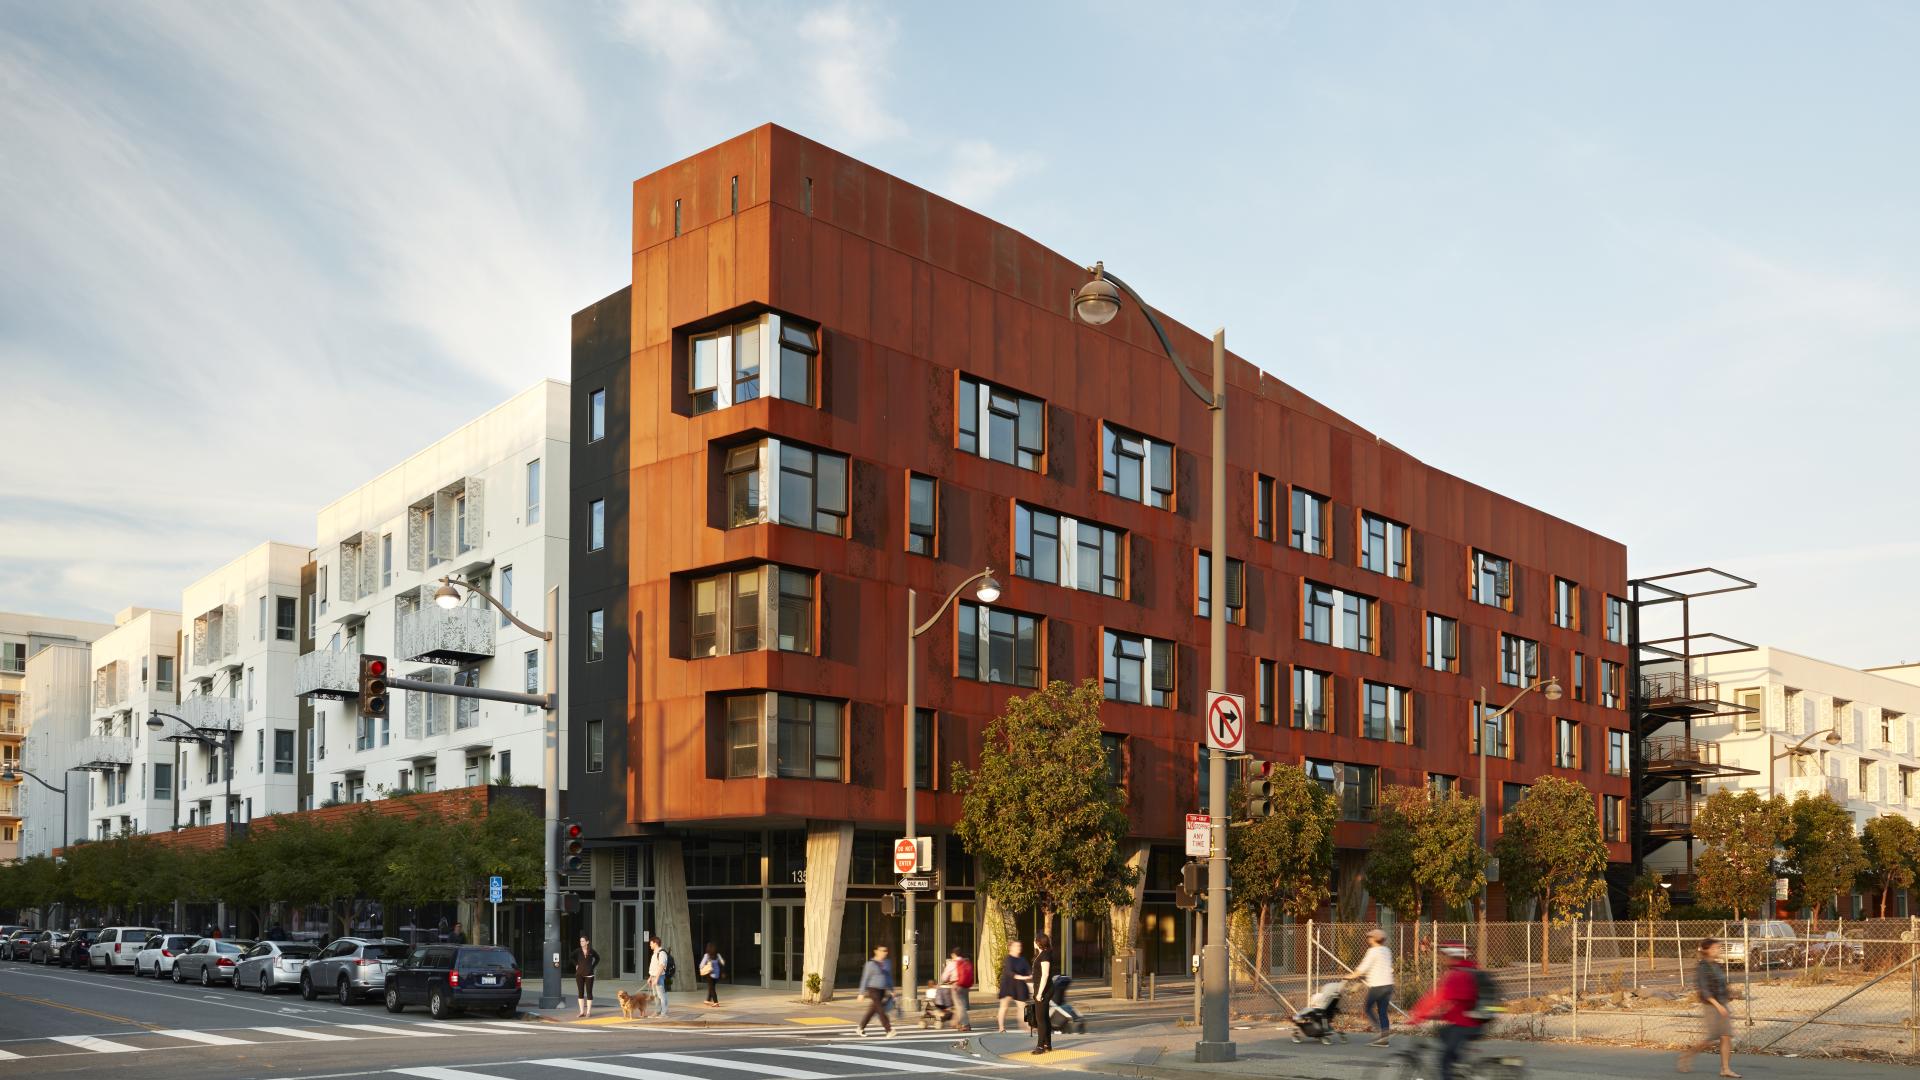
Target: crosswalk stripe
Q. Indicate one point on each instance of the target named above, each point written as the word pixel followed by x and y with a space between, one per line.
pixel 544 1029
pixel 205 1037
pixel 849 1059
pixel 305 1033
pixel 435 1072
pixel 7 1055
pixel 756 1067
pixel 627 1072
pixel 395 1029
pixel 893 1047
pixel 98 1046
pixel 437 1024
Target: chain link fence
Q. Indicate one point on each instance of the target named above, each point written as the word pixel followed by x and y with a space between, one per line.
pixel 1822 988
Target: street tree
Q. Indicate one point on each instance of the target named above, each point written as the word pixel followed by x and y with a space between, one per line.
pixel 1550 849
pixel 1427 845
pixel 1041 811
pixel 1890 850
pixel 1739 832
pixel 1823 854
pixel 1392 857
pixel 1283 860
pixel 1648 902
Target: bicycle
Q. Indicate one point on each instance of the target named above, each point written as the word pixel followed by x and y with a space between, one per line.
pixel 1420 1061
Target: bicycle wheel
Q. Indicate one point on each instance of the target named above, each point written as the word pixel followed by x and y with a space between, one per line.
pixel 1399 1065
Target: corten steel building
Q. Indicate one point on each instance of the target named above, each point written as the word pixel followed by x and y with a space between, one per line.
pixel 824 386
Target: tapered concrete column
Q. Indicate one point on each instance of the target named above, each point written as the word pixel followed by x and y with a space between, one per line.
pixel 670 910
pixel 602 928
pixel 829 863
pixel 997 931
pixel 1125 920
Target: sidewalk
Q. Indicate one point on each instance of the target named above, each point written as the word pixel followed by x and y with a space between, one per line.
pixel 1165 1050
pixel 752 1006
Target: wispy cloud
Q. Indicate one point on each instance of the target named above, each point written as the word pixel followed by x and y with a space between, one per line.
pixel 851 48
pixel 980 170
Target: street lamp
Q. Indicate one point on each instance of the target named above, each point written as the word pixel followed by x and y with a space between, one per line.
pixel 11 773
pixel 1549 688
pixel 447 596
pixel 1796 750
pixel 1098 303
pixel 209 737
pixel 987 592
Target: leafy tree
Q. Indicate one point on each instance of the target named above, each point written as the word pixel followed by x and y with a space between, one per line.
pixel 1647 898
pixel 1738 832
pixel 1393 858
pixel 1890 848
pixel 1425 845
pixel 1285 859
pixel 1550 849
pixel 1041 812
pixel 1823 854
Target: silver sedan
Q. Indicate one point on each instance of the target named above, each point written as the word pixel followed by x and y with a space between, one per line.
pixel 271 965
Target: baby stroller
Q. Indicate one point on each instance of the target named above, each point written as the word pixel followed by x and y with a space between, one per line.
pixel 1064 1016
pixel 1316 1020
pixel 936 1007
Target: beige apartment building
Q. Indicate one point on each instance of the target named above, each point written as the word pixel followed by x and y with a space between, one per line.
pixel 22 637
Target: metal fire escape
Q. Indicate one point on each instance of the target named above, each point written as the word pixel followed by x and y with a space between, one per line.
pixel 1667 699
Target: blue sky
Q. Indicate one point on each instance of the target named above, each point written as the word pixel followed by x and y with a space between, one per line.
pixel 1650 267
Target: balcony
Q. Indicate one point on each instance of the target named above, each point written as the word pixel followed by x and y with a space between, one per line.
pixel 1815 786
pixel 1667 818
pixel 10 801
pixel 435 635
pixel 110 686
pixel 1676 694
pixel 216 637
pixel 327 673
pixel 1675 756
pixel 103 752
pixel 217 713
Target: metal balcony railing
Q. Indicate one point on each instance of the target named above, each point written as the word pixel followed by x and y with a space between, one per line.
pixel 100 751
pixel 435 635
pixel 10 801
pixel 1667 815
pixel 220 713
pixel 1672 750
pixel 1674 687
pixel 327 673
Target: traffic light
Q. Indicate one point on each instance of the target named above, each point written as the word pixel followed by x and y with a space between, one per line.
pixel 1259 788
pixel 890 904
pixel 1192 888
pixel 573 847
pixel 373 685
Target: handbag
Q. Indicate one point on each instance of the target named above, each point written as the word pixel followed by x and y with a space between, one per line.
pixel 1027 1016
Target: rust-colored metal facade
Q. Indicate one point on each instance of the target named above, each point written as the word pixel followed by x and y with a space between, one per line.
pixel 910 292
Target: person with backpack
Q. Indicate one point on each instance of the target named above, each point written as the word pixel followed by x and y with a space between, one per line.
pixel 1459 1002
pixel 659 973
pixel 957 977
pixel 712 967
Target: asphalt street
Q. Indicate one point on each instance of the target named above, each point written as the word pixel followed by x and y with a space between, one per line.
pixel 55 1022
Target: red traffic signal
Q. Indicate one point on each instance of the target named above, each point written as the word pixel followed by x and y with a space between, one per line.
pixel 373 685
pixel 373 665
pixel 573 847
pixel 574 830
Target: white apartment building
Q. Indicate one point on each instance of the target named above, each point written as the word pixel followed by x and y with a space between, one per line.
pixel 240 644
pixel 59 714
pixel 135 672
pixel 22 637
pixel 487 504
pixel 1813 727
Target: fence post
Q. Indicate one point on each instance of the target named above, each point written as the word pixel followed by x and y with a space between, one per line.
pixel 1913 976
pixel 1636 958
pixel 1574 945
pixel 1528 938
pixel 1310 957
pixel 1679 965
pixel 1746 968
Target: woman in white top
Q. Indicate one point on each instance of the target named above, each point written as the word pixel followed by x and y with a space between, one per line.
pixel 1376 967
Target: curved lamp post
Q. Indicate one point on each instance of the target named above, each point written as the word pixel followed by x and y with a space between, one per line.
pixel 987 592
pixel 10 773
pixel 448 597
pixel 224 739
pixel 1795 750
pixel 1096 304
pixel 1549 688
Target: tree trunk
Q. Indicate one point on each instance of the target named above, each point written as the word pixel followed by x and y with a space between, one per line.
pixel 1546 924
pixel 1883 900
pixel 1260 951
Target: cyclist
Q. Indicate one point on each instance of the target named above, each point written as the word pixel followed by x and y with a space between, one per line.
pixel 1456 1003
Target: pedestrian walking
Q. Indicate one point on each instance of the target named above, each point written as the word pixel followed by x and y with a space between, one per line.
pixel 876 986
pixel 712 967
pixel 1710 985
pixel 585 963
pixel 1016 975
pixel 459 935
pixel 1044 969
pixel 957 977
pixel 1376 970
pixel 657 977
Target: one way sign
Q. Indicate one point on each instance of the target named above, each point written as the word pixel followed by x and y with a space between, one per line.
pixel 1227 722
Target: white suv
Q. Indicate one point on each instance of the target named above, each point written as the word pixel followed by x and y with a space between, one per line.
pixel 116 947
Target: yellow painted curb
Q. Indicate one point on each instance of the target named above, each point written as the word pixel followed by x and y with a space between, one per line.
pixel 614 1019
pixel 1050 1056
pixel 819 1021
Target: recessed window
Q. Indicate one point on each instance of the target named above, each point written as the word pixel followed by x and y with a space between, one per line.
pixel 533 493
pixel 923 514
pixel 1519 660
pixel 1578 676
pixel 1492 580
pixel 386 559
pixel 506 594
pixel 1138 669
pixel 1115 747
pixel 1203 587
pixel 1616 620
pixel 1619 754
pixel 1443 643
pixel 1307 525
pixel 286 613
pixel 807 738
pixel 1386 712
pixel 1335 617
pixel 1566 743
pixel 787 483
pixel 1066 551
pixel 1511 795
pixel 596 525
pixel 731 612
pixel 998 646
pixel 1613 818
pixel 596 416
pixel 1312 700
pixel 733 196
pixel 1566 604
pixel 1263 507
pixel 1610 684
pixel 767 356
pixel 1267 692
pixel 282 753
pixel 1494 729
pixel 1135 467
pixel 596 746
pixel 1383 546
pixel 1356 787
pixel 1001 425
pixel 163 672
pixel 596 635
pixel 1442 785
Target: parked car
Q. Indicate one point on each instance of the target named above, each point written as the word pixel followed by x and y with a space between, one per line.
pixel 74 952
pixel 449 978
pixel 161 950
pixel 270 965
pixel 116 947
pixel 1773 942
pixel 1834 947
pixel 352 968
pixel 47 947
pixel 209 961
pixel 7 932
pixel 16 943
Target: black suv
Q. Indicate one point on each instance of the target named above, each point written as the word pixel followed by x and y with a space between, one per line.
pixel 74 952
pixel 449 978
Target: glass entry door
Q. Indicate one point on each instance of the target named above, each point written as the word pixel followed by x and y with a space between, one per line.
pixel 630 931
pixel 786 943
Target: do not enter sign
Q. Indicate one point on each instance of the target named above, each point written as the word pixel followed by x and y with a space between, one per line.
pixel 906 855
pixel 1227 722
